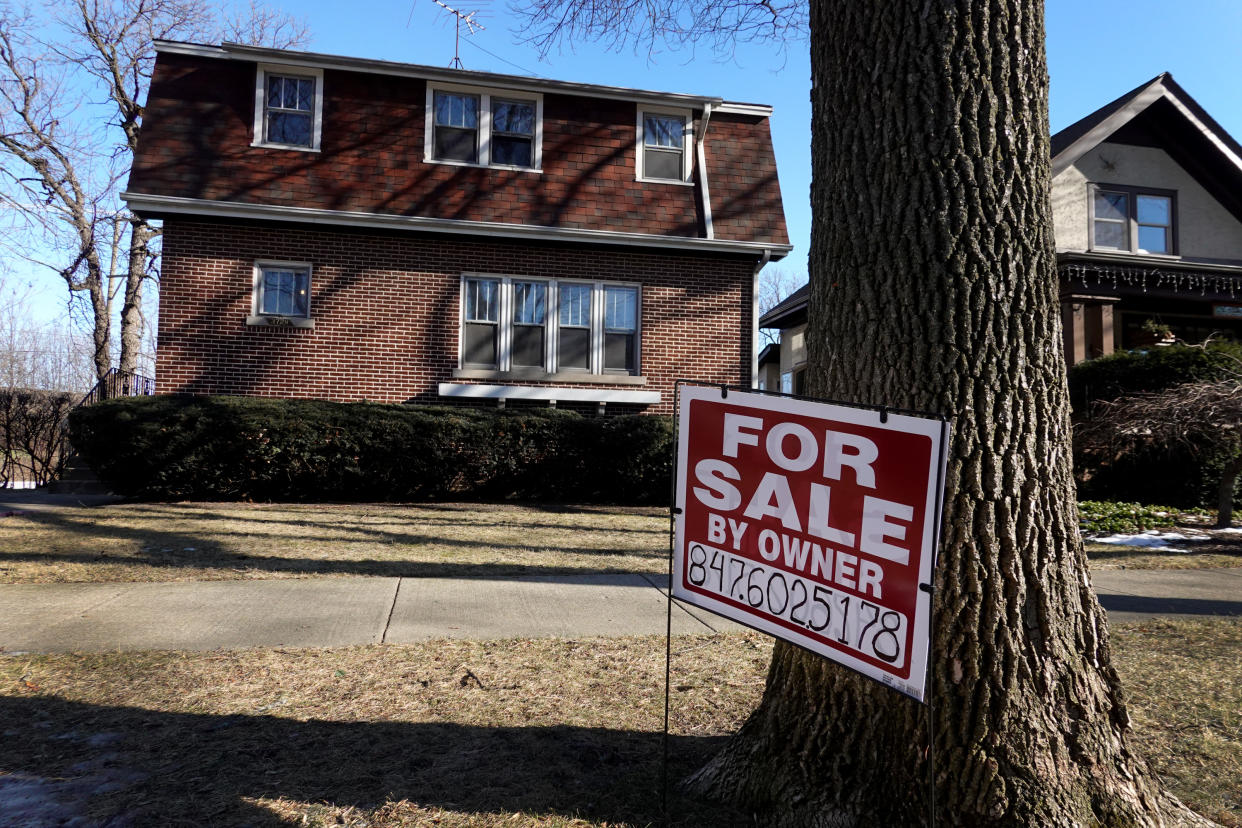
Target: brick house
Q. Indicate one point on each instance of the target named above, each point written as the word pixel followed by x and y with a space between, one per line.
pixel 1147 214
pixel 353 229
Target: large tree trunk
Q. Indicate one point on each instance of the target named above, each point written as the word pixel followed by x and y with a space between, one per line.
pixel 933 287
pixel 96 287
pixel 140 235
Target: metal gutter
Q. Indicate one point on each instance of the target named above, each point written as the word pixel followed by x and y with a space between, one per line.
pixel 701 158
pixel 754 319
pixel 174 205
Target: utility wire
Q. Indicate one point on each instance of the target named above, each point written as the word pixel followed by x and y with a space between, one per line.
pixel 503 60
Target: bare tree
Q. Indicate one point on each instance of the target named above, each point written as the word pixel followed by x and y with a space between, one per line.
pixel 776 284
pixel 62 161
pixel 933 288
pixel 1200 418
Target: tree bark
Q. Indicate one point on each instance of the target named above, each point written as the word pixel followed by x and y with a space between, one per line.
pixel 933 287
pixel 140 235
pixel 1224 493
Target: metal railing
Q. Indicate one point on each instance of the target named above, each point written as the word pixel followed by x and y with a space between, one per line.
pixel 117 383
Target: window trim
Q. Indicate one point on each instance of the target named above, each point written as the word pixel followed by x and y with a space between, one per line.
pixel 485 95
pixel 278 320
pixel 550 370
pixel 262 70
pixel 1132 194
pixel 687 145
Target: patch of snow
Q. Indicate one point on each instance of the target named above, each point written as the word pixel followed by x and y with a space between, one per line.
pixel 1152 539
pixel 1230 530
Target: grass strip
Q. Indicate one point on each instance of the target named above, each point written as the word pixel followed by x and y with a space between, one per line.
pixel 457 733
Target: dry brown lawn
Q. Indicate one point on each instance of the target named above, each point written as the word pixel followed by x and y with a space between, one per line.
pixel 456 733
pixel 221 541
pixel 226 541
pixel 1207 555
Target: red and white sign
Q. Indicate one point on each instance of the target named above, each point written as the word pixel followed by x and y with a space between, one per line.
pixel 813 522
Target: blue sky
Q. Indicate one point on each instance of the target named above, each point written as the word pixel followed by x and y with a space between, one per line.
pixel 1096 50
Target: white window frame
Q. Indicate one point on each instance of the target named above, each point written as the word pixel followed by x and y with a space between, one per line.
pixel 260 105
pixel 687 144
pixel 485 96
pixel 257 317
pixel 552 317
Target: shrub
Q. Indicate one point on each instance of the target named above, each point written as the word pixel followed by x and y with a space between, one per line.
pixel 32 434
pixel 247 448
pixel 1153 369
pixel 1178 476
pixel 1102 516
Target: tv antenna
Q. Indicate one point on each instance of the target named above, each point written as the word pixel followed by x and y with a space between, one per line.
pixel 460 17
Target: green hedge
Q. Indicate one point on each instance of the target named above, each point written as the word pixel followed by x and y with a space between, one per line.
pixel 247 448
pixel 1179 477
pixel 1153 369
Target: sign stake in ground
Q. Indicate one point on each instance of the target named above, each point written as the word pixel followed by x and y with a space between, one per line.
pixel 814 522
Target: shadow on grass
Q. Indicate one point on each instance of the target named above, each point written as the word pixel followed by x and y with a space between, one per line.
pixel 347 536
pixel 136 766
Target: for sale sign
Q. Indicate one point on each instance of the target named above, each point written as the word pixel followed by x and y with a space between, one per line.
pixel 813 522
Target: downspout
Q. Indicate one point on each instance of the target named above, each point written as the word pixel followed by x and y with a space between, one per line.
pixel 754 319
pixel 700 158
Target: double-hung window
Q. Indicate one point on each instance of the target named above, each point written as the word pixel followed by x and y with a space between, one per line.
pixel 480 336
pixel 456 127
pixel 473 126
pixel 620 328
pixel 663 146
pixel 529 324
pixel 537 327
pixel 574 328
pixel 288 107
pixel 1132 220
pixel 513 133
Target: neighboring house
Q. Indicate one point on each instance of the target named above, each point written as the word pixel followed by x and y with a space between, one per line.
pixel 356 229
pixel 1147 212
pixel 789 354
pixel 1147 205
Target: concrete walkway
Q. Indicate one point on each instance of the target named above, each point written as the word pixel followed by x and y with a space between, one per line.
pixel 331 612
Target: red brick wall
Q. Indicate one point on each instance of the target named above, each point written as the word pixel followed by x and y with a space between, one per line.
pixel 199 120
pixel 385 307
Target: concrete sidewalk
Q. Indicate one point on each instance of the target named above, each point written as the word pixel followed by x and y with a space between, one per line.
pixel 333 612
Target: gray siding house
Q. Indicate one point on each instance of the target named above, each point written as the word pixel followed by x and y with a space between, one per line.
pixel 1147 212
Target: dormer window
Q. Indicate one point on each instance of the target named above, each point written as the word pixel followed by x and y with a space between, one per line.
pixel 457 127
pixel 663 146
pixel 1132 220
pixel 476 127
pixel 513 133
pixel 288 107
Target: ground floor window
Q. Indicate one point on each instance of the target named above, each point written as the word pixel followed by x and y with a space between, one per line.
pixel 510 323
pixel 794 382
pixel 282 289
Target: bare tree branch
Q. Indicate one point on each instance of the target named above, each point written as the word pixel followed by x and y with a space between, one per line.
pixel 1196 417
pixel 648 24
pixel 60 167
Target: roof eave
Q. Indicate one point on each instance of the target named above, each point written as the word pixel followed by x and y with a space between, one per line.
pixel 237 51
pixel 159 205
